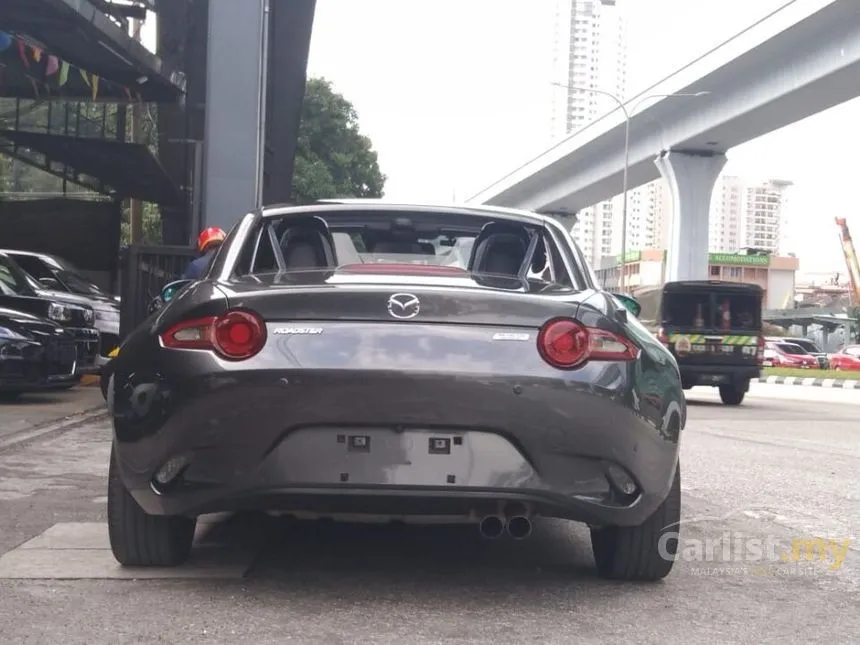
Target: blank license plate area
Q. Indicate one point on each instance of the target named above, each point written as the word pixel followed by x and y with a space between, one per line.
pixel 382 456
pixel 713 348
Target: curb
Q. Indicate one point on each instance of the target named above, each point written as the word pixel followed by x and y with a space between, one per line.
pixel 57 426
pixel 844 384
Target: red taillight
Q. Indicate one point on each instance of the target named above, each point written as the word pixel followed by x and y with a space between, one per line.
pixel 565 343
pixel 236 335
pixel 759 352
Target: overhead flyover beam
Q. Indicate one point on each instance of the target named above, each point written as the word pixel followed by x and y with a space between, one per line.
pixel 78 32
pixel 800 60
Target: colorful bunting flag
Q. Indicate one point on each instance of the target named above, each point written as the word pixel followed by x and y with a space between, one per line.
pixel 22 52
pixel 43 66
pixel 64 73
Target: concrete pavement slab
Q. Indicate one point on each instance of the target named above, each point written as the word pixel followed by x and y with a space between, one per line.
pixel 71 535
pixel 81 551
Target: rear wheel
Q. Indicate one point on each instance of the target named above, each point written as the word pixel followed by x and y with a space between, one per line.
pixel 642 553
pixel 140 539
pixel 732 394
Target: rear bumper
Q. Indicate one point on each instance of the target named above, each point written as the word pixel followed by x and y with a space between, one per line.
pixel 714 375
pixel 283 440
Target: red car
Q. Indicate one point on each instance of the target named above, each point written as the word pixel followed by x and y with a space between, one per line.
pixel 788 355
pixel 847 358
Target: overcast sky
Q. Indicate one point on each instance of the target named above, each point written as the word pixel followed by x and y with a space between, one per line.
pixel 453 95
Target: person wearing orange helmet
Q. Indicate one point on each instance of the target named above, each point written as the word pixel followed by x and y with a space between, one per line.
pixel 208 242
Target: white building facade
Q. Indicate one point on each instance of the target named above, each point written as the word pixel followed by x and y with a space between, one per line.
pixel 748 213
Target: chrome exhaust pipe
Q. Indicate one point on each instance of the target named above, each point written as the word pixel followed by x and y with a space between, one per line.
pixel 519 527
pixel 491 527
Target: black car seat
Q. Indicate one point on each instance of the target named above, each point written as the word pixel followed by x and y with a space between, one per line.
pixel 307 244
pixel 500 248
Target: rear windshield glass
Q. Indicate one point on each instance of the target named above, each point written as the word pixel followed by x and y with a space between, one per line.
pixel 12 281
pixel 808 345
pixel 712 310
pixel 405 242
pixel 791 348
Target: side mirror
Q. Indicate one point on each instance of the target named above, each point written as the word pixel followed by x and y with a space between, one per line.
pixel 49 283
pixel 630 304
pixel 170 291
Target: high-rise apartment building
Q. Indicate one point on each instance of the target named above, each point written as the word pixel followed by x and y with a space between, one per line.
pixel 744 213
pixel 724 229
pixel 589 53
pixel 749 214
pixel 764 224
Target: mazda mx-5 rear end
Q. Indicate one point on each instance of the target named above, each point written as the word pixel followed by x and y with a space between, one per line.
pixel 401 389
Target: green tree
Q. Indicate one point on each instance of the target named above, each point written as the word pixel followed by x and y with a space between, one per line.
pixel 333 158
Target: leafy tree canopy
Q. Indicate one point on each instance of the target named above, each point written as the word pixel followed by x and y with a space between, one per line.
pixel 333 158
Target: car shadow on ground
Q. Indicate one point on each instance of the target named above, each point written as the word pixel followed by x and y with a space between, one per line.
pixel 703 403
pixel 290 549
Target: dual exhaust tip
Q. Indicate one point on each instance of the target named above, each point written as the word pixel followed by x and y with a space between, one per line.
pixel 519 527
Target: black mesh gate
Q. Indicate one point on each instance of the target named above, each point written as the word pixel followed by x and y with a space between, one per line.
pixel 144 271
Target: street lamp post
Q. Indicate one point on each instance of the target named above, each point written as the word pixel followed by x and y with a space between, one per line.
pixel 622 278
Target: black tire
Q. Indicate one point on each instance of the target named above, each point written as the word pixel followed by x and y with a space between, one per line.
pixel 732 394
pixel 143 540
pixel 637 553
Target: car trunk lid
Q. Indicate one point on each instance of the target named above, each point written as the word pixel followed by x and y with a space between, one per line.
pixel 423 298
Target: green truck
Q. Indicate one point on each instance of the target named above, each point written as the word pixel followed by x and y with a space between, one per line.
pixel 714 330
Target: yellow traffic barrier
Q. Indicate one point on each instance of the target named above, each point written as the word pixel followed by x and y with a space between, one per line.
pixel 94 379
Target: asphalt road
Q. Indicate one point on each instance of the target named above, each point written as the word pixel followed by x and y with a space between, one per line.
pixel 784 465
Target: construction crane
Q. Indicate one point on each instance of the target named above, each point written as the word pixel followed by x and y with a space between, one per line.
pixel 850 260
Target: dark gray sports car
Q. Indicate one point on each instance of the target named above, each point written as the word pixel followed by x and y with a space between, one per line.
pixel 365 358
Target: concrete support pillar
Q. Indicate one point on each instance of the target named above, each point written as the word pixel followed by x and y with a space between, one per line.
pixel 235 107
pixel 691 178
pixel 290 28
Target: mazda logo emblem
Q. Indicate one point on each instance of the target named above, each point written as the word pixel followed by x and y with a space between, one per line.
pixel 403 306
